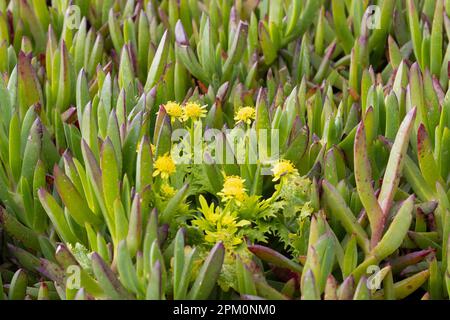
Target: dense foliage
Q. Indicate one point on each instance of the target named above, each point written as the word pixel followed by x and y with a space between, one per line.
pixel 101 197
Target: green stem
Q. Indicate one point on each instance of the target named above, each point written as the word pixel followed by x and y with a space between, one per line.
pixel 276 194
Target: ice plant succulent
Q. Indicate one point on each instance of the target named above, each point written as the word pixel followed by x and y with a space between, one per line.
pixel 348 118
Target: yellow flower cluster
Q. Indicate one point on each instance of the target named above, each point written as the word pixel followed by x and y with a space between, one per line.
pixel 164 166
pixel 174 110
pixel 283 168
pixel 167 191
pixel 189 111
pixel 246 115
pixel 233 188
pixel 193 111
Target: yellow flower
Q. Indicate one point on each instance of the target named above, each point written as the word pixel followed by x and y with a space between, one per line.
pixel 167 191
pixel 174 110
pixel 233 188
pixel 164 166
pixel 246 115
pixel 283 168
pixel 193 111
pixel 226 230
